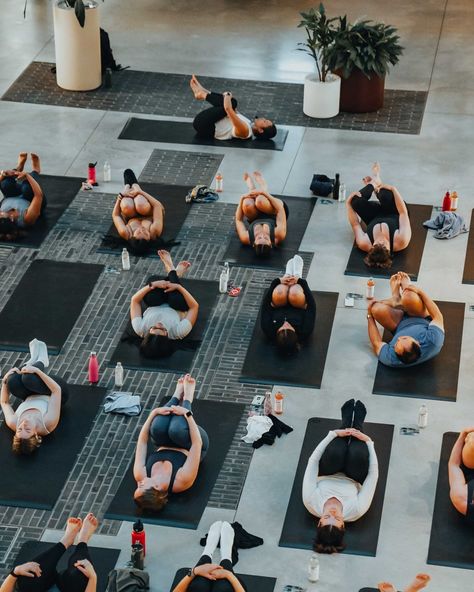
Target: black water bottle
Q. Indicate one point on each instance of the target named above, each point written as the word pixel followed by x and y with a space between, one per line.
pixel 108 78
pixel 335 188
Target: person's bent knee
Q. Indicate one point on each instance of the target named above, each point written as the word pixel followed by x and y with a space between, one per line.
pixel 296 296
pixel 412 303
pixel 262 203
pixel 248 207
pixel 377 310
pixel 280 295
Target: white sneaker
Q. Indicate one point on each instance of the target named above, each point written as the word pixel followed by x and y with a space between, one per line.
pixel 38 352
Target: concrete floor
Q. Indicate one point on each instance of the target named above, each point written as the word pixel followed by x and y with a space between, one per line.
pixel 255 40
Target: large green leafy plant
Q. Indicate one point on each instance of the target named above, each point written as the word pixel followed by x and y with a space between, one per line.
pixel 320 35
pixel 370 47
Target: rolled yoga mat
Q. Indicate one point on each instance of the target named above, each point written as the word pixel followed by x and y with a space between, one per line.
pixel 361 536
pixel 408 260
pixel 104 560
pixel 46 304
pixel 59 192
pixel 127 352
pixel 452 538
pixel 263 364
pixel 435 379
pixel 184 510
pixel 36 481
pixel 301 209
pixel 182 132
pixel 252 583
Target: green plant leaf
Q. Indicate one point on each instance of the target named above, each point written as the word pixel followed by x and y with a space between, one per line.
pixel 80 11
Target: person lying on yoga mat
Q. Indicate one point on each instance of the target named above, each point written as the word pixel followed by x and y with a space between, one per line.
pixel 40 573
pixel 222 121
pixel 414 320
pixel 387 220
pixel 461 474
pixel 170 314
pixel 421 581
pixel 23 199
pixel 260 218
pixel 137 216
pixel 340 478
pixel 180 445
pixel 206 576
pixel 39 413
pixel 288 310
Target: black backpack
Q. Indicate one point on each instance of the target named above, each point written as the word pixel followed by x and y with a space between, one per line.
pixel 128 580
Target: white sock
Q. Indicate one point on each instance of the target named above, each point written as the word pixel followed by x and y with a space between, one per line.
pixel 38 352
pixel 289 267
pixel 298 266
pixel 213 537
pixel 227 541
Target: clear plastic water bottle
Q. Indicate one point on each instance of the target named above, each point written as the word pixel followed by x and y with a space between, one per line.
pixel 125 260
pixel 313 568
pixel 107 172
pixel 219 183
pixel 223 282
pixel 227 269
pixel 423 416
pixel 119 374
pixel 342 192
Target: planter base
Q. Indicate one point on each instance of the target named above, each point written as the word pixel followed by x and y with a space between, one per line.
pixel 361 95
pixel 321 99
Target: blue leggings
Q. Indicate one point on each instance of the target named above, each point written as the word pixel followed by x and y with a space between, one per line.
pixel 173 430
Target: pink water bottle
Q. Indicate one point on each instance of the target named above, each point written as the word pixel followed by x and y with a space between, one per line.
pixel 93 368
pixel 91 174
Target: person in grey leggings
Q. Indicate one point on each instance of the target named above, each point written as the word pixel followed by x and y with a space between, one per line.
pixel 180 447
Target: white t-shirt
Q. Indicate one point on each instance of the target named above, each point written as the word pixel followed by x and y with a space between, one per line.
pixel 39 402
pixel 225 128
pixel 177 327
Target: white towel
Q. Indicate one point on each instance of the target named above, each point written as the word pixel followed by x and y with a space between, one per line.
pixel 257 425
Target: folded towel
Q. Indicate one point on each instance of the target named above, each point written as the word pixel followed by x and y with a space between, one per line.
pixel 122 402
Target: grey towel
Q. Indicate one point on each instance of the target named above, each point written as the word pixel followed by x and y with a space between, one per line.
pixel 447 225
pixel 125 403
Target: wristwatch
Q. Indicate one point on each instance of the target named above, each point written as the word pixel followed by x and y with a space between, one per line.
pixel 369 316
pixel 189 414
pixel 190 573
pixel 12 573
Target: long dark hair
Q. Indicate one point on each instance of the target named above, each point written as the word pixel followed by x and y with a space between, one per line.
pixel 329 539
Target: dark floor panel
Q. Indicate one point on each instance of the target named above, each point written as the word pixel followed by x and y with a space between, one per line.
pixel 177 167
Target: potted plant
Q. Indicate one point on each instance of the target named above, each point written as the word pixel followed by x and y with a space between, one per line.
pixel 362 54
pixel 321 88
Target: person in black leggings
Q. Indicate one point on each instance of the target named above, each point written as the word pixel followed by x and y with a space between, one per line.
pixel 461 474
pixel 222 121
pixel 170 314
pixel 40 574
pixel 210 577
pixel 388 228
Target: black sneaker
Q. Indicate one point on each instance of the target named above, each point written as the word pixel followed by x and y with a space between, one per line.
pixel 129 177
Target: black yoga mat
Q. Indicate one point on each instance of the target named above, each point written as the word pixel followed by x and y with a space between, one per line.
pixel 176 210
pixel 263 364
pixel 435 379
pixel 408 260
pixel 252 583
pixel 182 132
pixel 36 481
pixel 59 192
pixel 184 510
pixel 46 304
pixel 468 273
pixel 104 560
pixel 128 353
pixel 362 535
pixel 452 538
pixel 300 209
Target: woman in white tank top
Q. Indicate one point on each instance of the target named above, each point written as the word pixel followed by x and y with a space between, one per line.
pixel 38 415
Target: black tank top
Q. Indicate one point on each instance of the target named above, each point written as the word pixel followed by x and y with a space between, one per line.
pixel 175 457
pixel 392 221
pixel 469 476
pixel 271 225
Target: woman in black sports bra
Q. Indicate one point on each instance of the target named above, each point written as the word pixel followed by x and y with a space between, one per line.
pixel 388 228
pixel 180 445
pixel 461 474
pixel 260 218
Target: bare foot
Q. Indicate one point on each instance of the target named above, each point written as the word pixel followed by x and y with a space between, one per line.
pixel 20 165
pixel 376 172
pixel 405 280
pixel 73 526
pixel 35 162
pixel 189 387
pixel 249 181
pixel 200 93
pixel 182 268
pixel 395 286
pixel 421 580
pixel 260 180
pixel 367 180
pixel 166 259
pixel 179 390
pixel 386 587
pixel 88 528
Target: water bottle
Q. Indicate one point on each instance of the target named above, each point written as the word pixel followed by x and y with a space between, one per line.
pixel 138 535
pixel 423 417
pixel 342 192
pixel 335 189
pixel 313 568
pixel 223 281
pixel 227 269
pixel 119 374
pixel 138 556
pixel 108 78
pixel 267 404
pixel 107 172
pixel 278 407
pixel 219 183
pixel 91 173
pixel 370 290
pixel 93 368
pixel 125 260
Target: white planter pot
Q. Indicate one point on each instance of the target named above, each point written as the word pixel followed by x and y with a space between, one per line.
pixel 321 99
pixel 77 49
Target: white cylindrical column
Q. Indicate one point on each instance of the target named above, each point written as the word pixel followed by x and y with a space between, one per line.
pixel 77 49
